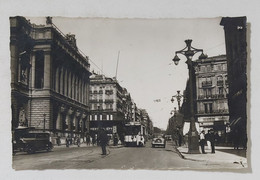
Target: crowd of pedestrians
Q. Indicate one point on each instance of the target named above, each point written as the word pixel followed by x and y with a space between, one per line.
pixel 100 139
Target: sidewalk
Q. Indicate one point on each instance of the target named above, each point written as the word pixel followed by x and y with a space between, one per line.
pixel 222 154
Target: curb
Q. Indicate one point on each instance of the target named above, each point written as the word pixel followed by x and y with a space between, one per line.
pixel 116 146
pixel 179 153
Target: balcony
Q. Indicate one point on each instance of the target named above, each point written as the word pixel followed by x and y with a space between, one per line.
pixel 93 100
pixel 206 83
pixel 221 96
pixel 212 96
pixel 214 112
pixel 109 101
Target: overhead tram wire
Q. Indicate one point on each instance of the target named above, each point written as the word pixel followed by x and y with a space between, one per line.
pixel 78 49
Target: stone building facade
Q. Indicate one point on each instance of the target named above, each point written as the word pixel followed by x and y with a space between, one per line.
pixel 107 105
pixel 49 79
pixel 212 91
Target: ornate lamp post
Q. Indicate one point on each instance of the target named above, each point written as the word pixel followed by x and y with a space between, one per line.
pixel 178 96
pixel 98 116
pixel 188 52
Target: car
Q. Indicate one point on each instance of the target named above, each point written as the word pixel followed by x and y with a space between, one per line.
pixel 31 142
pixel 159 142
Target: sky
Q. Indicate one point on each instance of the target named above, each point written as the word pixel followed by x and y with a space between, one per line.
pixel 146 48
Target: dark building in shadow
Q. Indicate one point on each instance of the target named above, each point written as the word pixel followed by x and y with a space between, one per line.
pixel 236 50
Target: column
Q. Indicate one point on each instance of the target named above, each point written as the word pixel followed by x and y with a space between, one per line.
pixel 59 121
pixel 33 71
pixel 47 70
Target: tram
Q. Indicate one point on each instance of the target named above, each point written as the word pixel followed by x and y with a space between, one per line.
pixel 134 134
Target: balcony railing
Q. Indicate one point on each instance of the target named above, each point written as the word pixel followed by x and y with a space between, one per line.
pixel 217 111
pixel 109 101
pixel 93 100
pixel 212 96
pixel 206 83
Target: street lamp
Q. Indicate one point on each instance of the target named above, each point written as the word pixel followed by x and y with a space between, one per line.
pixel 178 96
pixel 188 52
pixel 98 118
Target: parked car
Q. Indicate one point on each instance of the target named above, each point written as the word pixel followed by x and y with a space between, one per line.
pixel 31 142
pixel 159 141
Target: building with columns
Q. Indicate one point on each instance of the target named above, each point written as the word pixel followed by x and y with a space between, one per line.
pixel 49 79
pixel 211 93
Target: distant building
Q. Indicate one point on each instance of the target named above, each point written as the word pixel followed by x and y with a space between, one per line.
pixel 145 120
pixel 107 105
pixel 236 49
pixel 49 79
pixel 212 91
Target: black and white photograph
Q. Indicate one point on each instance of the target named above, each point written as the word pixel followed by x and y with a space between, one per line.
pixel 114 93
pixel 123 94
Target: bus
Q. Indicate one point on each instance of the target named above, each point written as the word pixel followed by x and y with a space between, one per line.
pixel 134 134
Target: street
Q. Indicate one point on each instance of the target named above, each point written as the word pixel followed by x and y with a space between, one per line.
pixel 118 158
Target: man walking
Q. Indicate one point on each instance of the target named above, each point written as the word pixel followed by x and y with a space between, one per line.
pixel 103 139
pixel 212 139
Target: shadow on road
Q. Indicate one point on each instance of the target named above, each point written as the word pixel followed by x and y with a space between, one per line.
pixel 239 152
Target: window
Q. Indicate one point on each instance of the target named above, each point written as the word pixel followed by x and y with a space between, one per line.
pixel 95 106
pixel 208 68
pixel 207 92
pixel 210 108
pixel 206 108
pixel 111 117
pixel 39 69
pixel 220 90
pixel 212 67
pixel 90 118
pixel 220 67
pixel 202 68
pixel 95 117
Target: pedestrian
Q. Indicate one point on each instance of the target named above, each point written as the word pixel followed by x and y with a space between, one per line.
pixel 88 140
pixel 103 140
pixel 202 141
pixel 77 140
pixel 58 140
pixel 68 141
pixel 207 141
pixel 212 139
pixel 94 140
pixel 115 139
